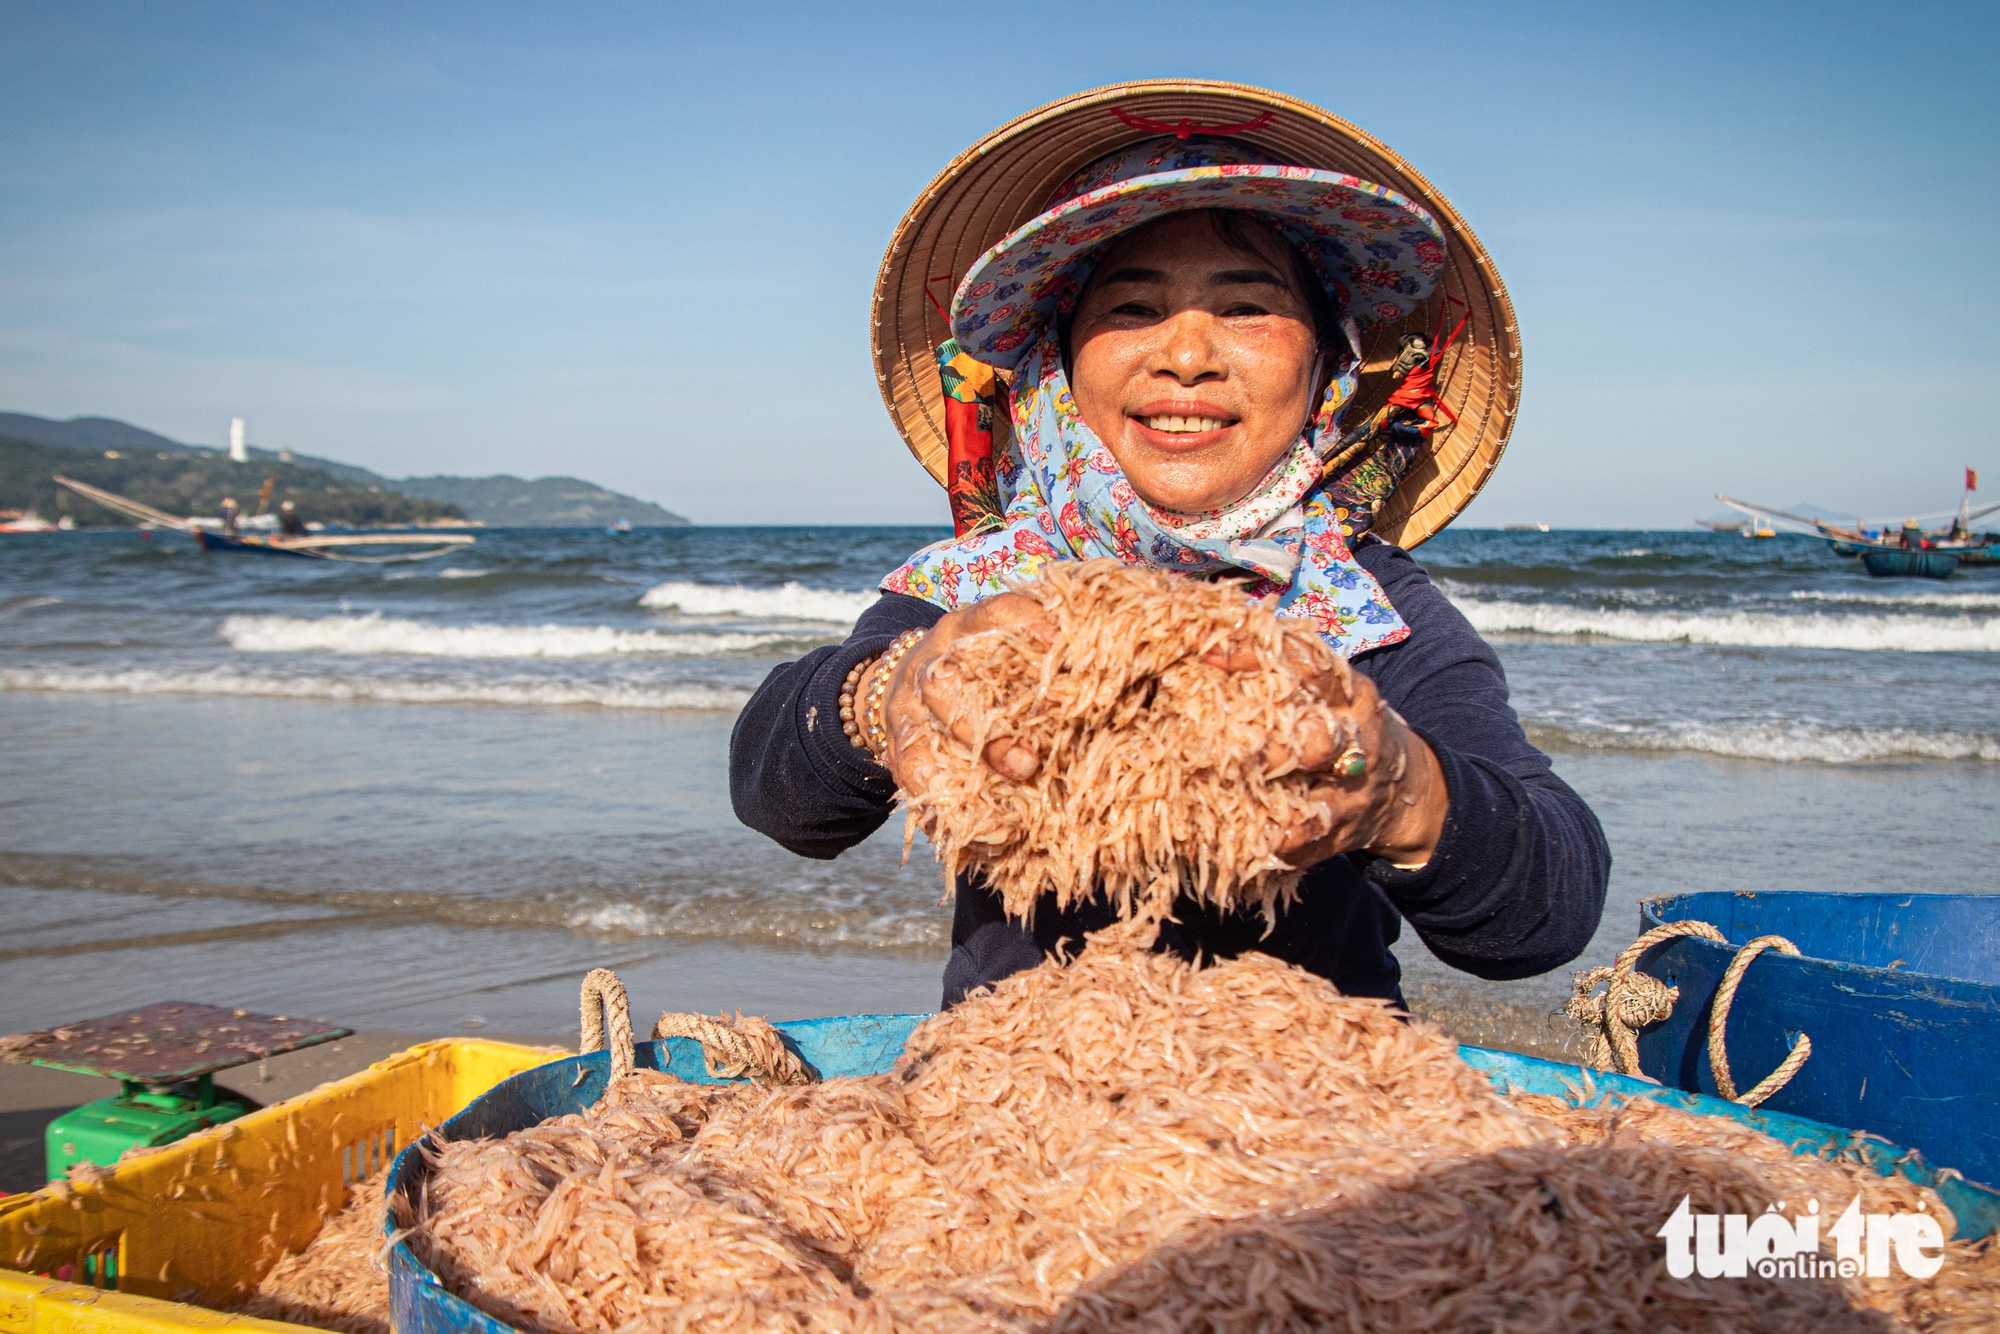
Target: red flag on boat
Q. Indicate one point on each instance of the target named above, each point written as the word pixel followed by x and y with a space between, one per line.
pixel 1971 480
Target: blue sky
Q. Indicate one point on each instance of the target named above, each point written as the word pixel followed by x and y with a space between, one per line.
pixel 1753 247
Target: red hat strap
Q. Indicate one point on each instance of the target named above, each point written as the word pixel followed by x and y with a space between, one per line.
pixel 972 394
pixel 1186 127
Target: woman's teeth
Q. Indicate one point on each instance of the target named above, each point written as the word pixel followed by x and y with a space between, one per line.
pixel 1188 425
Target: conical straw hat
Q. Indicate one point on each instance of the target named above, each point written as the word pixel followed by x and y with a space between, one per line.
pixel 1005 180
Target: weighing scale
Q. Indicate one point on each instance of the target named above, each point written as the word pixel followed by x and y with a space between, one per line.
pixel 165 1056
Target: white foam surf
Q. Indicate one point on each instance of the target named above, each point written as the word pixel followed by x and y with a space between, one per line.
pixel 1956 601
pixel 1873 633
pixel 774 918
pixel 789 602
pixel 1784 743
pixel 376 634
pixel 15 606
pixel 259 685
pixel 877 917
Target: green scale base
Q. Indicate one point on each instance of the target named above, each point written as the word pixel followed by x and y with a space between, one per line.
pixel 137 1118
pixel 163 1057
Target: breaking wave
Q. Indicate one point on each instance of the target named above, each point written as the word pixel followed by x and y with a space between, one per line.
pixel 887 918
pixel 1885 633
pixel 1789 743
pixel 376 634
pixel 1966 601
pixel 604 695
pixel 790 602
pixel 774 918
pixel 14 606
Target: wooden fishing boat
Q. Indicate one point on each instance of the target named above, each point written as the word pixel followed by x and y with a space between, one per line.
pixel 1967 553
pixel 337 546
pixel 1987 553
pixel 867 1044
pixel 210 540
pixel 1957 540
pixel 360 548
pixel 1909 563
pixel 1899 995
pixel 1752 527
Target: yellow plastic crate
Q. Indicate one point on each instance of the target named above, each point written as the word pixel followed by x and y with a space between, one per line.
pixel 203 1220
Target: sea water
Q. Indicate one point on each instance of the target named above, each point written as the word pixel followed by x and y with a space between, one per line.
pixel 426 797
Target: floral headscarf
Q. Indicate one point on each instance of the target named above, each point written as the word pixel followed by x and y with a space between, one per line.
pixel 1064 497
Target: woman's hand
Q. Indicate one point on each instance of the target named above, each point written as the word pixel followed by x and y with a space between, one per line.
pixel 1394 808
pixel 923 687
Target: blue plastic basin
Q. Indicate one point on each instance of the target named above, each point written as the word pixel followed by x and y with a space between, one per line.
pixel 1900 994
pixel 870 1044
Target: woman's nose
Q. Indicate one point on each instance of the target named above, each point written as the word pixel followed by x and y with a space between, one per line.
pixel 1189 350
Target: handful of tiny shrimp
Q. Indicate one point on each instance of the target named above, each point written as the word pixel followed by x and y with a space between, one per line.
pixel 1156 773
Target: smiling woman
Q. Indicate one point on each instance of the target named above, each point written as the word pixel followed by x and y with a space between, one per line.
pixel 1194 354
pixel 1233 358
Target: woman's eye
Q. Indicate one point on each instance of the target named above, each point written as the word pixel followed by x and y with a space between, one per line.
pixel 1242 308
pixel 1137 309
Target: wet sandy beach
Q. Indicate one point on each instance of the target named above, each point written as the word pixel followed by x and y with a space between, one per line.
pixel 428 804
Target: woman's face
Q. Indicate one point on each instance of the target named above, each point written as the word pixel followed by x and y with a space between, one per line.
pixel 1192 360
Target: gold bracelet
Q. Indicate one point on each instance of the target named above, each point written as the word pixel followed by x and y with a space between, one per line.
pixel 850 721
pixel 873 730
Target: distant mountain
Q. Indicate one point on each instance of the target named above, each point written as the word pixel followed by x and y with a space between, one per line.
pixel 501 501
pixel 190 482
pixel 545 502
pixel 1805 511
pixel 1734 519
pixel 92 433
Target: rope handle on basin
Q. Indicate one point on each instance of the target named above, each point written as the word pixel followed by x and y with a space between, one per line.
pixel 1633 1000
pixel 1718 1058
pixel 746 1047
pixel 603 1006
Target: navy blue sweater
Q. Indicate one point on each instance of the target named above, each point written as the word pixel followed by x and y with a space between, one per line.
pixel 1515 887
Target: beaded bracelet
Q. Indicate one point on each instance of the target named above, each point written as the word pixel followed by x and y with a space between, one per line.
pixel 873 731
pixel 849 722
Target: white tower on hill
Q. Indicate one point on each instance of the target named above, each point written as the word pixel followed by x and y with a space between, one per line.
pixel 237 450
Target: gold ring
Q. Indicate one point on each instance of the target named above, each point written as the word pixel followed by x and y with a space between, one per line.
pixel 1352 763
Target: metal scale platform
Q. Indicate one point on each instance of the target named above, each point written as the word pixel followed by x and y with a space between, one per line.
pixel 165 1056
